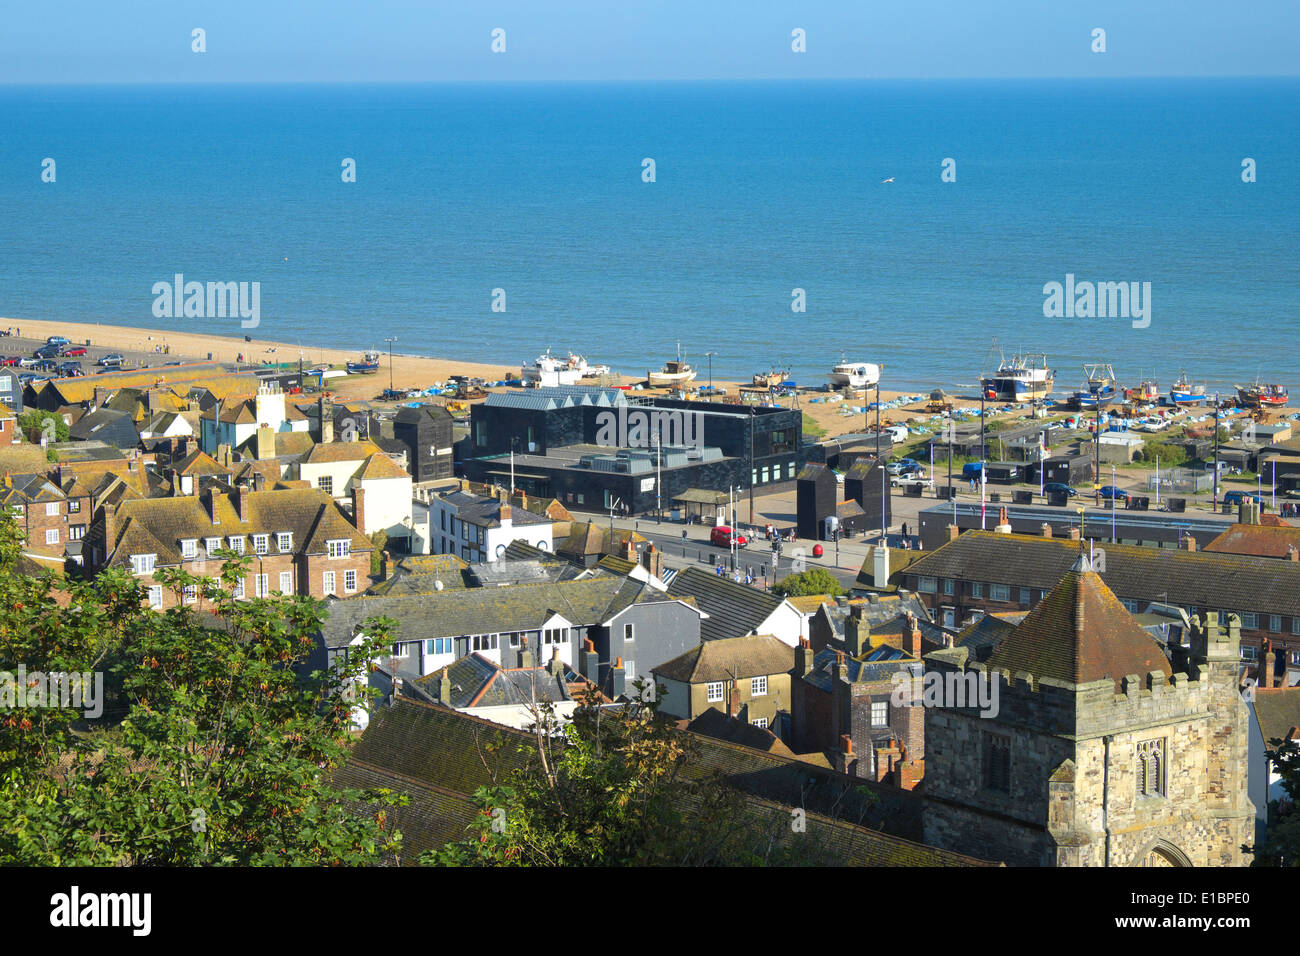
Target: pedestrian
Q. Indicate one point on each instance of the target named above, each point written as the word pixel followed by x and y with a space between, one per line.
pixel 905 530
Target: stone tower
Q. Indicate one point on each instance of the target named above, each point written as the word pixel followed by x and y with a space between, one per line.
pixel 1098 752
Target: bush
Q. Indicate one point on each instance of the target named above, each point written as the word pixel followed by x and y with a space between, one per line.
pixel 812 581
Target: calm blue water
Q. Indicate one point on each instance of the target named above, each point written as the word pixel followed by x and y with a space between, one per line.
pixel 761 188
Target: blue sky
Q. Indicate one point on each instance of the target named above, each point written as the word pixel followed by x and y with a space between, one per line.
pixel 91 41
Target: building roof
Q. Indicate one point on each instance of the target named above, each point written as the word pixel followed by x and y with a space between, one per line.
pixel 485 511
pixel 755 655
pixel 1278 711
pixel 380 466
pixel 158 525
pixel 475 681
pixel 75 391
pixel 714 723
pixel 733 609
pixel 1191 579
pixel 1259 540
pixel 984 634
pixel 1080 633
pixel 423 574
pixel 339 451
pixel 106 425
pixel 876 666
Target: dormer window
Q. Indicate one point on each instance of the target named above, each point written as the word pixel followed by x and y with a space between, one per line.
pixel 236 544
pixel 284 541
pixel 261 543
pixel 143 563
pixel 212 544
pixel 189 548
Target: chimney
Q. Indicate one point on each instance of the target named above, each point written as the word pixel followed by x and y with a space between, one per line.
pixel 617 679
pixel 555 666
pixel 1291 553
pixel 505 515
pixel 733 705
pixel 1046 530
pixel 880 566
pixel 653 561
pixel 912 639
pixel 804 656
pixel 359 508
pixel 265 442
pixel 525 655
pixel 1187 542
pixel 385 565
pixel 629 549
pixel 857 632
pixel 444 688
pixel 176 482
pixel 590 662
pixel 325 409
pixel 210 503
pixel 846 745
pixel 953 532
pixel 1266 676
pixel 241 503
pixel 1074 534
pixel 1004 523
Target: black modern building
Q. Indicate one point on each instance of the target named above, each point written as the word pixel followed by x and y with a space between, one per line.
pixel 427 434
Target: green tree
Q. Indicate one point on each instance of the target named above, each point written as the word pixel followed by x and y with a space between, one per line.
pixel 812 581
pixel 214 747
pixel 36 423
pixel 1281 847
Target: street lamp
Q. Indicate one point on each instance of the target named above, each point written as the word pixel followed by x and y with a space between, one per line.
pixel 390 340
pixel 709 356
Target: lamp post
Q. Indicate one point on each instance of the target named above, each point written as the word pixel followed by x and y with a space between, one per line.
pixel 390 340
pixel 709 356
pixel 1215 492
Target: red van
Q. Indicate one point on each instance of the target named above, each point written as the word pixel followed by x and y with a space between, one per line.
pixel 723 537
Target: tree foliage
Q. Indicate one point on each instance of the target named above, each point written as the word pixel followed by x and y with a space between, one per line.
pixel 1281 846
pixel 214 747
pixel 805 583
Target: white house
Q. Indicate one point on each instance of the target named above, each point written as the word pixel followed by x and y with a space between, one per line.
pixel 380 490
pixel 234 423
pixel 478 527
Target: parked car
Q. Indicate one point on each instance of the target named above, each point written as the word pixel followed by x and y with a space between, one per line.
pixel 72 350
pixel 26 361
pixel 907 481
pixel 70 369
pixel 9 360
pixel 1236 497
pixel 114 359
pixel 47 352
pixel 1113 493
pixel 56 340
pixel 1059 487
pixel 46 365
pixel 724 537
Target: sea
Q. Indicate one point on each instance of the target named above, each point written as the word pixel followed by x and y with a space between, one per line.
pixel 783 225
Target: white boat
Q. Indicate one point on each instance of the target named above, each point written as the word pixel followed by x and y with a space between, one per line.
pixel 854 374
pixel 673 374
pixel 547 371
pixel 578 363
pixel 1026 378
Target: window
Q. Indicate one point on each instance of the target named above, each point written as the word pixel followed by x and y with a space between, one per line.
pixel 1150 768
pixel 52 536
pixel 76 532
pixel 155 596
pixel 629 669
pixel 262 585
pixel 484 642
pixel 713 692
pixel 438 645
pixel 514 639
pixel 338 547
pixel 286 582
pixel 189 548
pixel 948 586
pixel 789 472
pixel 976 589
pixel 765 474
pixel 349 580
pixel 236 544
pixel 74 506
pixel 761 723
pixel 997 762
pixel 51 509
pixel 629 632
pixel 191 593
pixel 1275 623
pixel 999 592
pixel 212 544
pixel 1249 653
pixel 1295 657
pixel 326 484
pixel 261 543
pixel 758 687
pixel 879 713
pixel 239 588
pixel 327 583
pixel 1249 622
pixel 402 650
pixel 143 563
pixel 927 585
pixel 1295 625
pixel 284 541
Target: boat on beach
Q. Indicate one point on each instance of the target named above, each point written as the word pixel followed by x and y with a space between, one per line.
pixel 1025 378
pixel 1183 392
pixel 674 374
pixel 1147 392
pixel 1098 389
pixel 368 365
pixel 854 374
pixel 1261 396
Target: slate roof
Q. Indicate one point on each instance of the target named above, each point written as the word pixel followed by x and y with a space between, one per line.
pixel 485 511
pixel 465 611
pixel 733 609
pixel 1278 711
pixel 106 425
pixel 158 525
pixel 28 489
pixel 1191 579
pixel 877 665
pixel 422 574
pixel 441 756
pixel 886 614
pixel 1080 633
pixel 714 723
pixel 756 655
pixel 477 682
pixel 983 635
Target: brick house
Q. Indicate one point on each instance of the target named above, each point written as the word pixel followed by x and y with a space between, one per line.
pixel 299 540
pixel 8 426
pixel 50 517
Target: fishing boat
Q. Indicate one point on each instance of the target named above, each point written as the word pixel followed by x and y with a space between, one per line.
pixel 578 363
pixel 368 365
pixel 674 374
pixel 1025 378
pixel 854 374
pixel 1261 396
pixel 1098 389
pixel 1147 392
pixel 548 371
pixel 770 380
pixel 1184 393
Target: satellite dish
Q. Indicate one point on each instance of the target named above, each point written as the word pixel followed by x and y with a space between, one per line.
pixel 437 585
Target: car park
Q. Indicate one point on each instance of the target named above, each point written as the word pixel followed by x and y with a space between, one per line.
pixel 9 360
pixel 70 369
